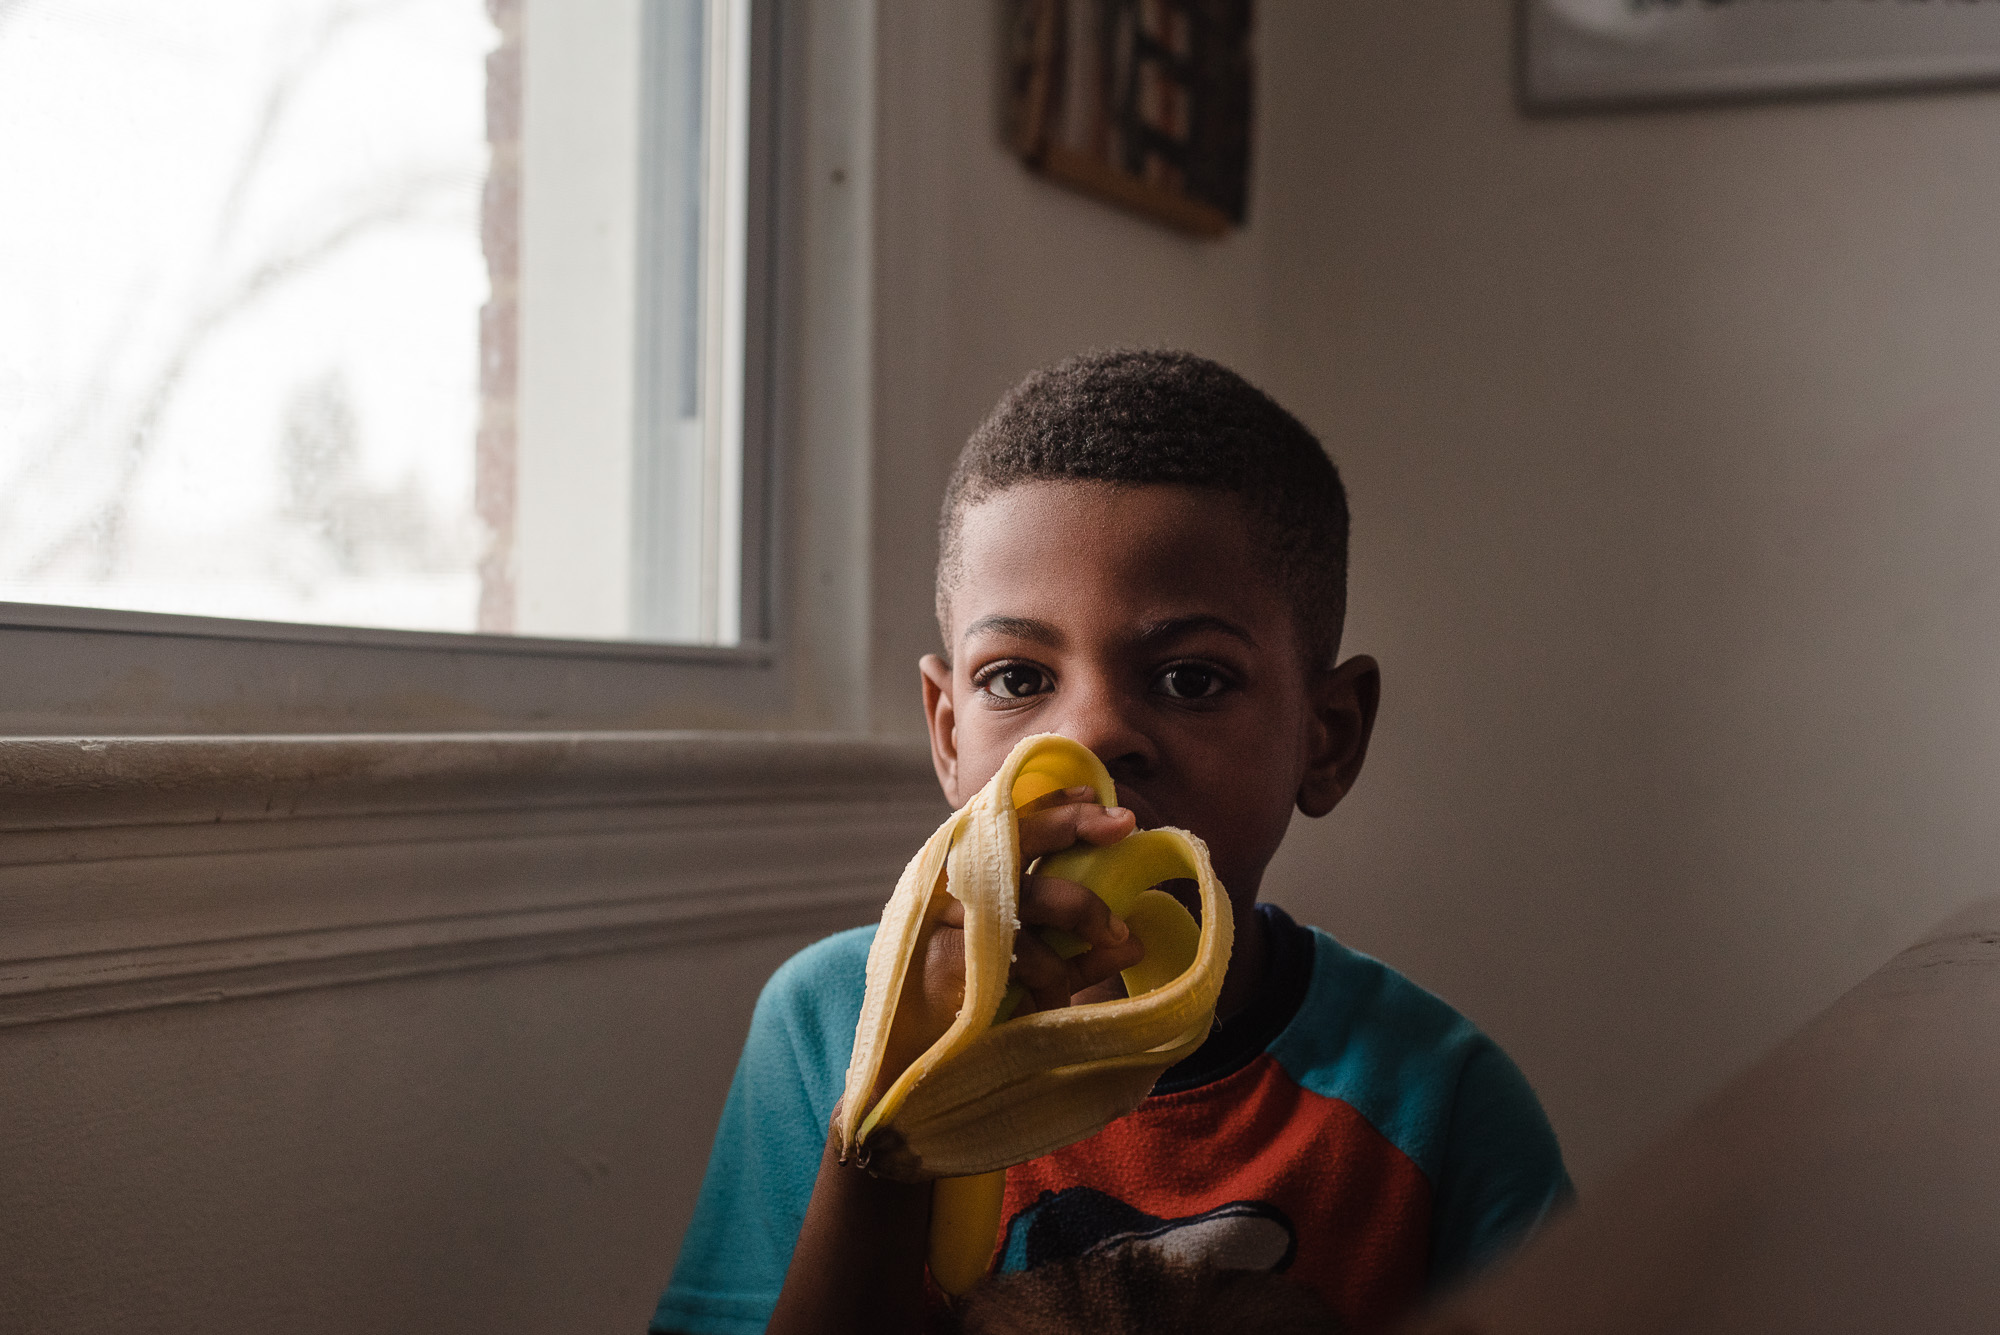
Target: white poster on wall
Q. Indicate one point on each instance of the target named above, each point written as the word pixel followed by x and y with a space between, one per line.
pixel 1589 52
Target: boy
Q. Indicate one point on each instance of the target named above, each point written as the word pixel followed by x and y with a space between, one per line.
pixel 1143 552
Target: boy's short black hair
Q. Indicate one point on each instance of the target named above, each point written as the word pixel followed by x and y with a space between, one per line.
pixel 1133 417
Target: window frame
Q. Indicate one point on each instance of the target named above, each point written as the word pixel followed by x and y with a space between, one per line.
pixel 659 577
pixel 72 670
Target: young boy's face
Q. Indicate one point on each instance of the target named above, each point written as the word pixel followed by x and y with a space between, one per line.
pixel 1146 623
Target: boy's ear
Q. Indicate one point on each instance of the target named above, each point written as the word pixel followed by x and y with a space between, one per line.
pixel 1343 702
pixel 942 720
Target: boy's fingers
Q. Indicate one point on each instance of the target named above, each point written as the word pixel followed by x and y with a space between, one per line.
pixel 1062 797
pixel 1047 901
pixel 1094 966
pixel 945 951
pixel 1049 824
pixel 1060 827
pixel 1051 981
pixel 1047 976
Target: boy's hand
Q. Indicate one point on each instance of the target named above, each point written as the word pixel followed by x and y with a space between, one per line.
pixel 1050 825
pixel 935 989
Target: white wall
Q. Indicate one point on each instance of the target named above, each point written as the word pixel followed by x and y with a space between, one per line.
pixel 396 1033
pixel 513 1149
pixel 1671 444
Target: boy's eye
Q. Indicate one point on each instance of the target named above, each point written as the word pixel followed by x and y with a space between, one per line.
pixel 1190 681
pixel 1017 682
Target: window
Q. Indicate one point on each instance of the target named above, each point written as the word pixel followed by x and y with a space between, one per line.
pixel 434 315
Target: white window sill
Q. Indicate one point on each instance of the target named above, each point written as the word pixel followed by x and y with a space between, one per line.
pixel 139 872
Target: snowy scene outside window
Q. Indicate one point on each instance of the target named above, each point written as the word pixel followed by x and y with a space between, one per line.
pixel 259 311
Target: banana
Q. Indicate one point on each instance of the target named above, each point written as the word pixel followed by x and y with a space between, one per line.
pixel 993 1091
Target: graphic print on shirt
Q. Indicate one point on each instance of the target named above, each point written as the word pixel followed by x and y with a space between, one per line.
pixel 1249 1172
pixel 1079 1221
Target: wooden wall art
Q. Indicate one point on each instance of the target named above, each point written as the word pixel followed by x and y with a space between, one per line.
pixel 1144 103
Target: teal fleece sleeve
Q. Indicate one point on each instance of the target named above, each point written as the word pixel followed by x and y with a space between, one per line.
pixel 1502 1171
pixel 768 1144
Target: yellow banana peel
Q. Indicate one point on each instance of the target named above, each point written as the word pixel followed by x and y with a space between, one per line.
pixel 993 1091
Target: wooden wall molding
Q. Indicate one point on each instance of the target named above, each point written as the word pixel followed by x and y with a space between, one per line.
pixel 144 872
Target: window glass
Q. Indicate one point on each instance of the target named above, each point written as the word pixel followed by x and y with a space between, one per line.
pixel 261 305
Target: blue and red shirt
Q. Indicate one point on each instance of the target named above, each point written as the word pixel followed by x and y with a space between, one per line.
pixel 1348 1129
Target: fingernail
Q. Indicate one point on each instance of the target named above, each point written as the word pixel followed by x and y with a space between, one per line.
pixel 1119 931
pixel 1085 791
pixel 1114 811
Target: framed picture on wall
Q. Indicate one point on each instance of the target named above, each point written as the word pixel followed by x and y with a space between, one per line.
pixel 1580 53
pixel 1142 103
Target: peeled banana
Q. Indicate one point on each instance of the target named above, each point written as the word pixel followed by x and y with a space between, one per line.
pixel 993 1091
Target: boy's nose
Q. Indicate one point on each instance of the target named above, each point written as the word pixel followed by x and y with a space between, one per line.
pixel 1101 718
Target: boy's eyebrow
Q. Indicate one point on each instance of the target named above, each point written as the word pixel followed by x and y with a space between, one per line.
pixel 1174 628
pixel 1024 628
